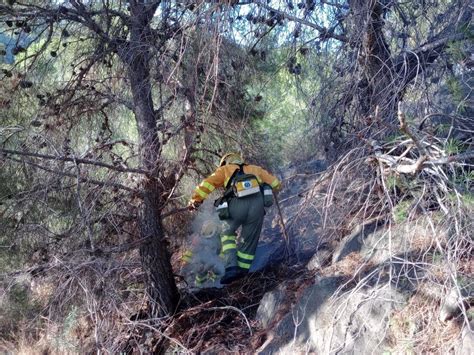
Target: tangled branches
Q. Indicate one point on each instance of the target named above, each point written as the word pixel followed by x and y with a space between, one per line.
pixel 217 319
pixel 411 212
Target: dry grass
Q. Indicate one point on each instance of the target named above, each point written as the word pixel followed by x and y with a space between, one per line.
pixel 416 327
pixel 410 185
pixel 352 266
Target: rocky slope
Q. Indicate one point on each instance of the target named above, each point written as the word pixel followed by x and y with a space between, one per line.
pixel 381 288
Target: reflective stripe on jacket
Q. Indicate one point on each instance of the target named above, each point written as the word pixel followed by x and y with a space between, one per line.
pixel 221 177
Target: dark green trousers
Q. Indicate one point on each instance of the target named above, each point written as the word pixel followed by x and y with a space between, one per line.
pixel 247 212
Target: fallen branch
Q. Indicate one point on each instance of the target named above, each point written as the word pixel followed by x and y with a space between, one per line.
pixel 423 162
pixel 233 309
pixel 172 212
pixel 452 158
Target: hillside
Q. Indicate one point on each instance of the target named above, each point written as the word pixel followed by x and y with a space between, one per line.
pixel 121 123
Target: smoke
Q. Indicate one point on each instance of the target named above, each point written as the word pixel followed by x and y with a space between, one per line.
pixel 205 268
pixel 205 213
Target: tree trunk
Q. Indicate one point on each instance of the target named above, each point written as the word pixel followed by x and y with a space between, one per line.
pixel 155 257
pixel 377 96
pixel 383 78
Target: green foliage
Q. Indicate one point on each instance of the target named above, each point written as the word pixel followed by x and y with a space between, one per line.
pixel 401 211
pixel 392 181
pixel 17 307
pixel 402 184
pixel 437 258
pixel 458 51
pixel 443 128
pixel 470 314
pixel 453 146
pixel 465 180
pixel 268 106
pixel 10 257
pixel 392 138
pixel 468 199
pixel 65 340
pixel 281 95
pixel 457 92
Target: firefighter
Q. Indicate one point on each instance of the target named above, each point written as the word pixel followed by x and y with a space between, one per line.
pixel 248 189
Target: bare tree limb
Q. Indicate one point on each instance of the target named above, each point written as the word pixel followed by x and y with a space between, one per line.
pixel 82 179
pixel 324 31
pixel 77 160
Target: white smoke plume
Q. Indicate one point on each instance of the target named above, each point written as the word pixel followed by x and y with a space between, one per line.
pixel 204 268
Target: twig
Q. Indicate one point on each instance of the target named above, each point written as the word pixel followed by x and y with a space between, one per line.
pixel 233 309
pixel 142 324
pixel 405 129
pixel 283 227
pixel 324 31
pixel 178 210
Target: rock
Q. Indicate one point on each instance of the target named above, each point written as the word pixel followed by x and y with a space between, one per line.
pixel 319 260
pixel 303 228
pixel 269 305
pixel 465 345
pixel 323 324
pixel 270 251
pixel 353 242
pixel 295 323
pixel 272 248
pixel 377 244
pixel 404 238
pixel 450 307
pixel 311 166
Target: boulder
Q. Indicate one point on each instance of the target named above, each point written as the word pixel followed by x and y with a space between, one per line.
pixel 353 242
pixel 378 243
pixel 403 238
pixel 319 260
pixel 273 249
pixel 303 225
pixel 451 306
pixel 465 345
pixel 270 251
pixel 270 305
pixel 455 300
pixel 325 322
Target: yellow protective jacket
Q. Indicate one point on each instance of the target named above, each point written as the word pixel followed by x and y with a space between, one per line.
pixel 222 175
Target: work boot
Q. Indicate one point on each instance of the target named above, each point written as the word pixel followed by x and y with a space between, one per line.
pixel 231 274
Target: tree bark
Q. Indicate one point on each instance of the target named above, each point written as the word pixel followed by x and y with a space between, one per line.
pixel 155 257
pixel 160 284
pixel 376 94
pixel 383 77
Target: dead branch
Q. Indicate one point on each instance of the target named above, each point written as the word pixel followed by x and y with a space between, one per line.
pixel 82 179
pixel 405 129
pixel 232 309
pixel 324 31
pixel 76 160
